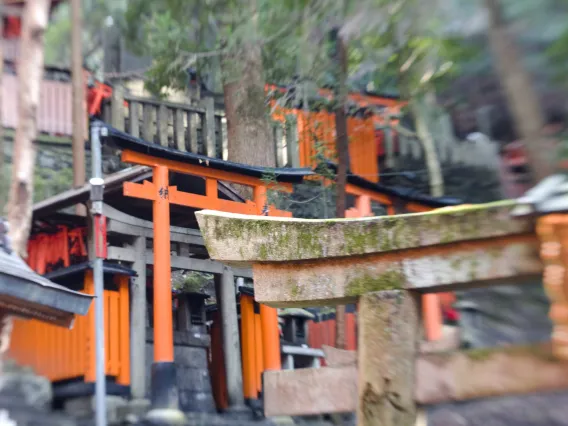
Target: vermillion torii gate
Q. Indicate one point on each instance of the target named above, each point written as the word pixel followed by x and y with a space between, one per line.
pixel 162 195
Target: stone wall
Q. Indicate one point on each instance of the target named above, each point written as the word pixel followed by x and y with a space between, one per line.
pixel 53 173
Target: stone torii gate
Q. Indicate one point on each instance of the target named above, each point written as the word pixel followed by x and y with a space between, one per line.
pixel 384 263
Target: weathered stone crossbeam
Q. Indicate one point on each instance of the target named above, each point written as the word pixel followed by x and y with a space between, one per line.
pixel 382 262
pixel 314 262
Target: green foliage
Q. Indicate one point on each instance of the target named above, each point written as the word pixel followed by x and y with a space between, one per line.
pixel 191 282
pixel 95 14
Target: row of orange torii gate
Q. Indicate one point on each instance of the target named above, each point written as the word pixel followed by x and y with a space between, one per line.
pixel 160 165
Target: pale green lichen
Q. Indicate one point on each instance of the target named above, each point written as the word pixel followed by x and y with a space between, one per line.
pixel 310 239
pixel 294 290
pixel 263 252
pixel 390 280
pixel 358 240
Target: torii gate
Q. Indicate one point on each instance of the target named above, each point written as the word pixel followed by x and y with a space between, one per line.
pixel 162 195
pixel 384 263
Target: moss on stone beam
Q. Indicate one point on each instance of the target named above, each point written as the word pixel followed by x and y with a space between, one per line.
pixel 252 239
pixel 443 268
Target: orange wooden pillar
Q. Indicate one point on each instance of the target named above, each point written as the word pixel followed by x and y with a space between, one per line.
pixel 248 347
pixel 122 282
pixel 259 348
pixel 164 389
pixel 91 364
pixel 350 328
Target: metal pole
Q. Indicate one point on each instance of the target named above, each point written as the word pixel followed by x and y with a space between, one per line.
pixel 97 187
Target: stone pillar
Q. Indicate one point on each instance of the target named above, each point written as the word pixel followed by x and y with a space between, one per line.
pixel 227 301
pixel 388 342
pixel 138 314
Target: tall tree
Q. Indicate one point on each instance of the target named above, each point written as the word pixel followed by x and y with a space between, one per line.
pixel 520 92
pixel 30 75
pixel 94 13
pixel 79 113
pixel 223 32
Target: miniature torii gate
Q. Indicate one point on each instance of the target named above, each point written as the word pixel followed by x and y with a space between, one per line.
pixel 162 195
pixel 384 262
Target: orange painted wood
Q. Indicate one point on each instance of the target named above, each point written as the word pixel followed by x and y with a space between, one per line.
pixel 163 326
pixel 259 197
pixel 63 354
pixel 350 332
pixel 270 338
pixel 417 208
pixel 91 358
pixel 205 202
pixel 112 334
pixel 144 190
pixel 124 324
pixel 211 190
pixel 552 231
pixel 432 316
pixel 259 357
pixel 363 205
pixel 374 196
pixel 203 171
pixel 361 99
pixel 316 132
pixel 248 347
pixel 331 330
pixel 352 213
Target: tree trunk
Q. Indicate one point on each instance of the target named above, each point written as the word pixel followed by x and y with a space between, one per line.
pixel 341 139
pixel 435 176
pixel 342 149
pixel 79 113
pixel 521 95
pixel 250 138
pixel 30 75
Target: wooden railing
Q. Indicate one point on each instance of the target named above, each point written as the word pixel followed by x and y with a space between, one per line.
pixel 198 128
pixel 63 354
pixel 384 263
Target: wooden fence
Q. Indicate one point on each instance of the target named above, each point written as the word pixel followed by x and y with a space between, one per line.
pixel 199 129
pixel 384 263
